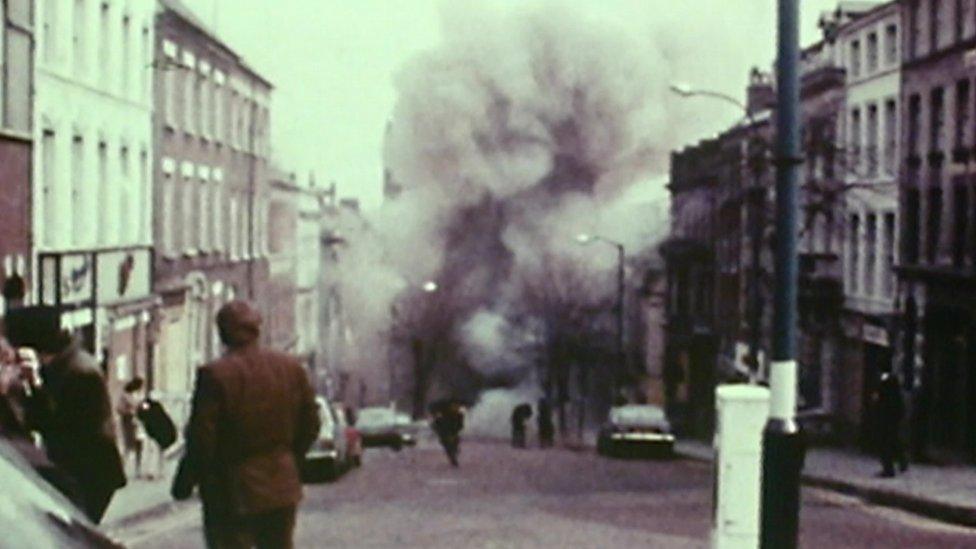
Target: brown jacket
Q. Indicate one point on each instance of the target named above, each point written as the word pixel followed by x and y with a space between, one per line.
pixel 254 417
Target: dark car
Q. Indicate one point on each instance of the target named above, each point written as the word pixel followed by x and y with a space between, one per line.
pixel 636 429
pixel 380 426
pixel 34 514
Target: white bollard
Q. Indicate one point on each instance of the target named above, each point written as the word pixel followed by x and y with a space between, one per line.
pixel 742 411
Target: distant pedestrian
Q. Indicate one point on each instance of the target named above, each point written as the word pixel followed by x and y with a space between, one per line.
pixel 520 415
pixel 448 422
pixel 890 409
pixel 254 417
pixel 547 429
pixel 69 406
pixel 133 435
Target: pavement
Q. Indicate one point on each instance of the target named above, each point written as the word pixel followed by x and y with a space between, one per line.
pixel 943 492
pixel 144 498
pixel 502 497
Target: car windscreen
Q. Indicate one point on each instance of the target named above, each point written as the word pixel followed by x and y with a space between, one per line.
pixel 375 417
pixel 638 415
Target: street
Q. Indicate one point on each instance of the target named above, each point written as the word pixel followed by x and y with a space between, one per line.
pixel 502 497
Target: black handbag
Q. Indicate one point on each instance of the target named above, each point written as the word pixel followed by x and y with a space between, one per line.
pixel 159 426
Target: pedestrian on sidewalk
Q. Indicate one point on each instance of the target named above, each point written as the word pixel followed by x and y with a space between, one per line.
pixel 69 406
pixel 890 412
pixel 520 415
pixel 547 429
pixel 133 435
pixel 253 419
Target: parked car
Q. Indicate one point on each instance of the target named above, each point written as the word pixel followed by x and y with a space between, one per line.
pixel 379 426
pixel 34 514
pixel 329 456
pixel 636 428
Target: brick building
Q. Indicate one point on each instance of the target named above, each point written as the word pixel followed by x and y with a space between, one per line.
pixel 938 231
pixel 16 139
pixel 211 192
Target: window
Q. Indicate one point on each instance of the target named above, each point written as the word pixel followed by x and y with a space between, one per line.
pixel 914 28
pixel 125 63
pixel 962 112
pixel 855 60
pixel 50 30
pixel 205 108
pixel 125 193
pixel 168 228
pixel 103 189
pixel 855 153
pixel 216 211
pixel 934 222
pixel 870 253
pixel 79 228
pixel 910 237
pixel 914 123
pixel 872 52
pixel 935 25
pixel 888 265
pixel 103 47
pixel 891 44
pixel 872 141
pixel 937 141
pixel 48 190
pixel 960 225
pixel 960 18
pixel 143 196
pixel 78 37
pixel 145 62
pixel 16 67
pixel 189 105
pixel 202 220
pixel 891 136
pixel 854 240
pixel 233 226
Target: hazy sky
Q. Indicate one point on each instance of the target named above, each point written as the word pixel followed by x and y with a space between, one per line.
pixel 333 63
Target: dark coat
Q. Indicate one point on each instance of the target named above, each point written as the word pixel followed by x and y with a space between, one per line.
pixel 73 413
pixel 254 417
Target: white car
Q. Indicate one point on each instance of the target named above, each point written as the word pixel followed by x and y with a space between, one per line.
pixel 380 426
pixel 636 427
pixel 329 456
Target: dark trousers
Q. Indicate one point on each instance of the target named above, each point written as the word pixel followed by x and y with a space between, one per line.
pixel 518 437
pixel 271 530
pixel 892 452
pixel 96 500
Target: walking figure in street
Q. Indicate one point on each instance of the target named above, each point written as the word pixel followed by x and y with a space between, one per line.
pixel 254 417
pixel 448 422
pixel 520 415
pixel 133 435
pixel 69 406
pixel 890 412
pixel 547 429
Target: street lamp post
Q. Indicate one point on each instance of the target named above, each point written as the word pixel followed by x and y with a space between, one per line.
pixel 756 196
pixel 782 440
pixel 428 287
pixel 585 239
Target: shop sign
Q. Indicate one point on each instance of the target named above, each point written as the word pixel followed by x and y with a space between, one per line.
pixel 76 278
pixel 124 275
pixel 875 334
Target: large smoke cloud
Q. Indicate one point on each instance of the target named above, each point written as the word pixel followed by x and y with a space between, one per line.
pixel 524 129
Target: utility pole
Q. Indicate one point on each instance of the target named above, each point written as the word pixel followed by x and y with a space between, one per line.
pixel 782 441
pixel 621 353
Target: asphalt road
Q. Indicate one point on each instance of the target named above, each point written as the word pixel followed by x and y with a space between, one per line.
pixel 501 497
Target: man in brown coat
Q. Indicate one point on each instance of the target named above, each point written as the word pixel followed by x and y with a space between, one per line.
pixel 254 417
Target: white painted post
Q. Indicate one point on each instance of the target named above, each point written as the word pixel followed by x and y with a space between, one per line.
pixel 742 411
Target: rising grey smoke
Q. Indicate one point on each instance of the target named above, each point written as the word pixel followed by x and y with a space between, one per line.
pixel 524 129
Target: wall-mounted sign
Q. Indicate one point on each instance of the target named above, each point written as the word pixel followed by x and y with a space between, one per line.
pixel 76 278
pixel 124 275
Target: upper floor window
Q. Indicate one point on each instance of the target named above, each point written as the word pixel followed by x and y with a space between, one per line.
pixel 104 50
pixel 914 123
pixel 855 58
pixel 854 255
pixel 78 36
pixel 872 141
pixel 937 142
pixel 855 145
pixel 935 25
pixel 888 267
pixel 16 66
pixel 891 44
pixel 50 30
pixel 914 28
pixel 125 61
pixel 891 136
pixel 872 52
pixel 962 112
pixel 870 253
pixel 960 19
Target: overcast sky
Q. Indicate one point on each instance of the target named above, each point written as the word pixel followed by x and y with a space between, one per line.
pixel 333 63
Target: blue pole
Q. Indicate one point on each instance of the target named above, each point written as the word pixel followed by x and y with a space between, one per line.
pixel 782 440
